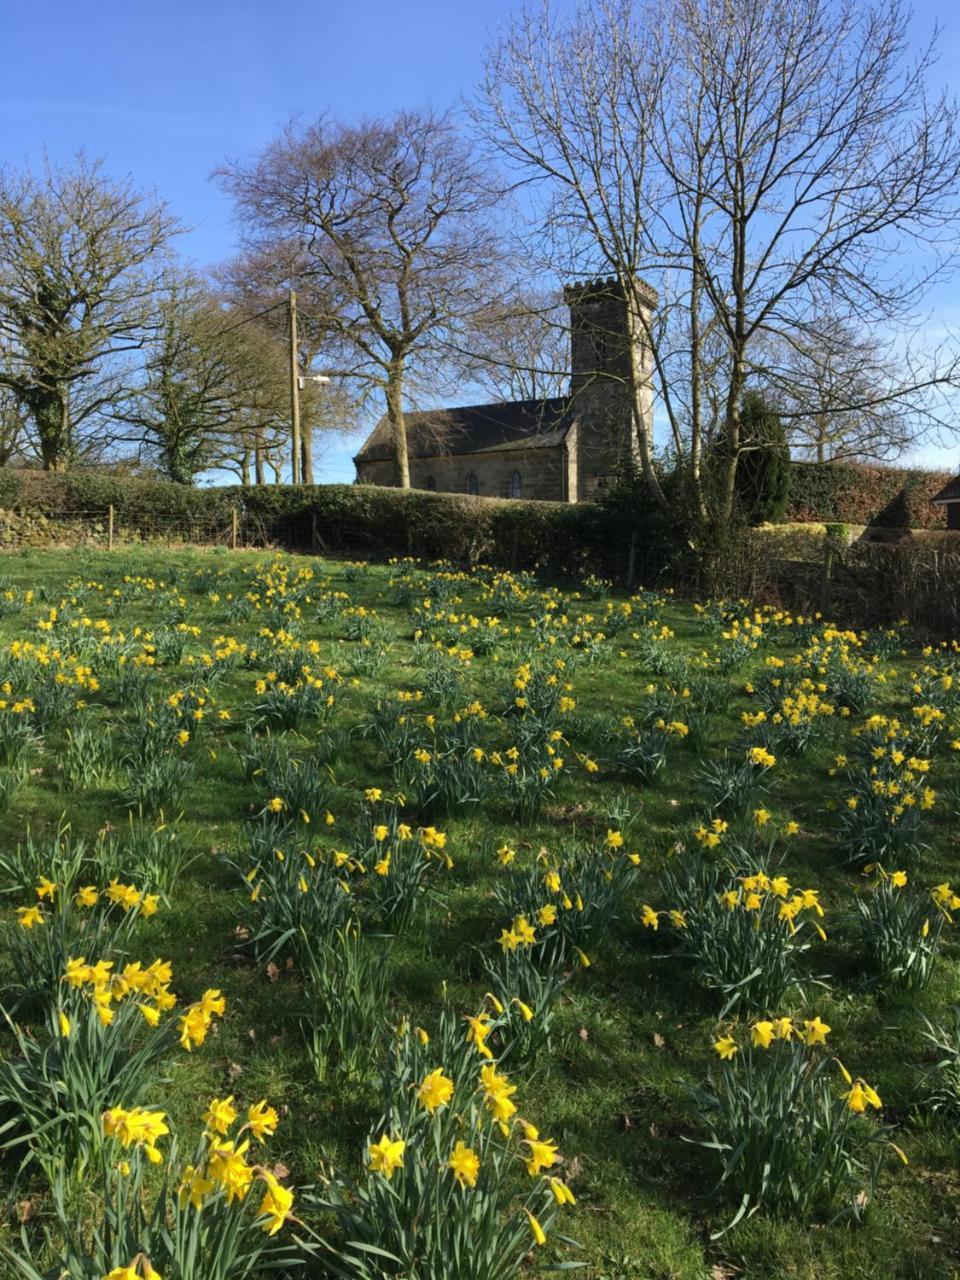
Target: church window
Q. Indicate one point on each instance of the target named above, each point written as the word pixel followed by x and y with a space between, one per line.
pixel 516 485
pixel 430 483
pixel 473 484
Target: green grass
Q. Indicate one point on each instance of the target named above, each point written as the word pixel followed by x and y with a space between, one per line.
pixel 632 1026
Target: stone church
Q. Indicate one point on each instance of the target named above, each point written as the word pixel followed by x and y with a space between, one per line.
pixel 565 449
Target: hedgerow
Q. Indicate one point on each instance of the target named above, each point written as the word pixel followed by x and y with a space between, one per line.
pixel 852 493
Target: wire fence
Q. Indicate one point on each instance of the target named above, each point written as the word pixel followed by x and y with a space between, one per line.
pixel 99 529
pixel 866 584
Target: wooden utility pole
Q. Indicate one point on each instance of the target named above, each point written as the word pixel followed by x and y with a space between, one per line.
pixel 294 391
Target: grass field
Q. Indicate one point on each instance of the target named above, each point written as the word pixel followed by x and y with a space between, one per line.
pixel 578 751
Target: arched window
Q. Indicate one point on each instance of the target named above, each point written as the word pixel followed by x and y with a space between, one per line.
pixel 473 484
pixel 516 485
pixel 430 483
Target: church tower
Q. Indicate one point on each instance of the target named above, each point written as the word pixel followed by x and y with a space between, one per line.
pixel 609 357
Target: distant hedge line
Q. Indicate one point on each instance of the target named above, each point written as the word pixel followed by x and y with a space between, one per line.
pixel 56 493
pixel 365 519
pixel 849 493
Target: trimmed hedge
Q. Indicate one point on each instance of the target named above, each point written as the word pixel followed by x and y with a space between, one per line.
pixel 559 539
pixel 90 492
pixel 851 493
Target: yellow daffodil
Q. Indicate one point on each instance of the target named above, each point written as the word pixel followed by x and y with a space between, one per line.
pixel 464 1163
pixel 386 1155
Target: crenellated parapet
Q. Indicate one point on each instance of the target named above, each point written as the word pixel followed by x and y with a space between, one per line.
pixel 609 288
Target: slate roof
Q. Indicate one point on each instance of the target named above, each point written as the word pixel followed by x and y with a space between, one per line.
pixel 475 428
pixel 950 491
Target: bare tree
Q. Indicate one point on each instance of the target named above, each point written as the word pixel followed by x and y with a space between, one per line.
pixel 571 105
pixel 518 347
pixel 392 218
pixel 78 280
pixel 763 163
pixel 211 383
pixel 14 428
pixel 841 397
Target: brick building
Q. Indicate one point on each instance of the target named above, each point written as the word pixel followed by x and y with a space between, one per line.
pixel 563 450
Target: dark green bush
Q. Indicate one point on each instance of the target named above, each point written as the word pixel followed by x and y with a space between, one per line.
pixel 9 488
pixel 559 539
pixel 763 469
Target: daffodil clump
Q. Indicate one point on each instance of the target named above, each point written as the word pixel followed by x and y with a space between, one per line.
pixel 743 934
pixel 451 1171
pixel 888 789
pixel 226 1176
pixel 217 1216
pixel 642 748
pixel 901 927
pixel 300 890
pixel 793 715
pixel 112 992
pixel 570 899
pixel 297 896
pixel 734 782
pixel 527 975
pixel 400 861
pixel 788 1122
pixel 68 915
pixel 108 1031
pixel 127 897
pixel 291 704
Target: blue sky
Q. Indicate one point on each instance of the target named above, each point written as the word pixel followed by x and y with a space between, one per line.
pixel 165 91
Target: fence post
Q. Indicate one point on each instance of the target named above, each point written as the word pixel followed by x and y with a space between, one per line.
pixel 632 560
pixel 234 528
pixel 826 591
pixel 110 527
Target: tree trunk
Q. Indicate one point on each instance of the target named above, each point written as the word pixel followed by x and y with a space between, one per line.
pixel 696 371
pixel 52 418
pixel 245 468
pixel 398 423
pixel 258 475
pixel 641 400
pixel 822 439
pixel 728 492
pixel 306 455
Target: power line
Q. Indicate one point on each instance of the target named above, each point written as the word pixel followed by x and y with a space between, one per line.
pixel 249 319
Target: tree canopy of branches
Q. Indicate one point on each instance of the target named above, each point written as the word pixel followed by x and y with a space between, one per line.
pixel 392 219
pixel 213 389
pixel 843 399
pixel 518 347
pixel 252 282
pixel 761 162
pixel 79 259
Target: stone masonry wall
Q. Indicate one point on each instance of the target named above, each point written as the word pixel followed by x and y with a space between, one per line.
pixel 540 471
